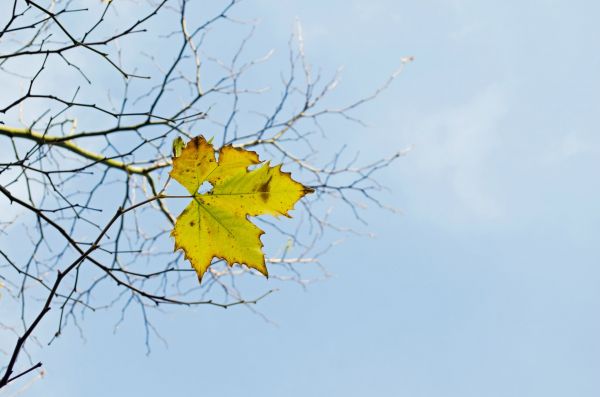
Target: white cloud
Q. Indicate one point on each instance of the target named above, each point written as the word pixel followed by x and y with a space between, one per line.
pixel 571 144
pixel 453 150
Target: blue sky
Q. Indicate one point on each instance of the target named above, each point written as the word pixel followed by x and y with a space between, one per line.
pixel 487 284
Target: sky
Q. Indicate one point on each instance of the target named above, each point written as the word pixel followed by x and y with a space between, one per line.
pixel 486 284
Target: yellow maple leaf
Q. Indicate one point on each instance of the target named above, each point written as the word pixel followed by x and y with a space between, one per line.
pixel 215 223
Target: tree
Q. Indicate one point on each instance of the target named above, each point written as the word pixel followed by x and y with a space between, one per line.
pixel 93 95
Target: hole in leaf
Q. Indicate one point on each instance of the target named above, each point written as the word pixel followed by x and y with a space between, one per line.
pixel 205 187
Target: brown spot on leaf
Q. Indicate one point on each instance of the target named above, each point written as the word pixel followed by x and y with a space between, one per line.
pixel 192 223
pixel 264 190
pixel 196 142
